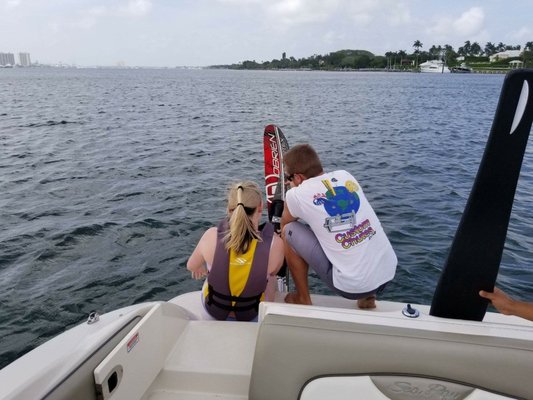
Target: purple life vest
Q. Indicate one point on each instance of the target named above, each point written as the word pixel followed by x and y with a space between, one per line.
pixel 219 299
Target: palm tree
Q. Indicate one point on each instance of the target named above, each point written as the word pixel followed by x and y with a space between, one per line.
pixel 467 48
pixel 527 54
pixel 449 52
pixel 475 49
pixel 490 49
pixel 395 54
pixel 417 45
pixel 402 54
pixel 435 51
pixel 389 55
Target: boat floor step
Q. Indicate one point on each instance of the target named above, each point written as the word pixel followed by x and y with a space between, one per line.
pixel 183 381
pixel 214 346
pixel 210 357
pixel 170 395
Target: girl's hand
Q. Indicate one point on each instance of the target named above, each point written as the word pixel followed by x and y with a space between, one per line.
pixel 199 274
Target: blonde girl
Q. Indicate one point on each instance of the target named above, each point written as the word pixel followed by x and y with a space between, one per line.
pixel 239 260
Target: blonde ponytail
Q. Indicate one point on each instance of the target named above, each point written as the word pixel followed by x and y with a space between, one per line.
pixel 243 200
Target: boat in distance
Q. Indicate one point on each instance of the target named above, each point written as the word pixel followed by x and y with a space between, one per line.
pixel 166 350
pixel 434 66
pixel 461 69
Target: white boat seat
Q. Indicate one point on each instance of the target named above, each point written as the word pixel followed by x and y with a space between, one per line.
pixel 391 387
pixel 296 345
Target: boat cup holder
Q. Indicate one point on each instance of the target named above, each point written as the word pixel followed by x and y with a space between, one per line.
pixel 410 312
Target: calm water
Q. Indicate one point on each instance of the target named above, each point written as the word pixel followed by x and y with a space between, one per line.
pixel 109 177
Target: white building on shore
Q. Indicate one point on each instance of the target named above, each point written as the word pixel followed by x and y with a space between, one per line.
pixel 505 54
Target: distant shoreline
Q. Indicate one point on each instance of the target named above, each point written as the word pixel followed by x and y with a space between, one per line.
pixel 474 71
pixel 228 68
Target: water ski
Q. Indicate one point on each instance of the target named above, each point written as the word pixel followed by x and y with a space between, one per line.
pixel 275 145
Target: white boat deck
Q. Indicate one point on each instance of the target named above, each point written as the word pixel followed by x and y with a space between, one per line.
pixel 174 350
pixel 214 360
pixel 211 360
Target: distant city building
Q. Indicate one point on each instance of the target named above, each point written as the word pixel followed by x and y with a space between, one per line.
pixel 7 59
pixel 24 59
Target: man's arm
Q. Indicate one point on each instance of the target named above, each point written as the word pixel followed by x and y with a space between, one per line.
pixel 508 306
pixel 286 217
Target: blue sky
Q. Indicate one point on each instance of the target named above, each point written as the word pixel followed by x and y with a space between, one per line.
pixel 207 32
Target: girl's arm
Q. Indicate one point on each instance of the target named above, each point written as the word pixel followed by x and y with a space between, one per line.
pixel 197 261
pixel 276 256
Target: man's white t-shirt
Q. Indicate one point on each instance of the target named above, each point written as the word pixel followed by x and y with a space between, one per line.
pixel 347 228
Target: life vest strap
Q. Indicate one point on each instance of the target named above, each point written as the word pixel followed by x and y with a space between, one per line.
pixel 211 293
pixel 233 298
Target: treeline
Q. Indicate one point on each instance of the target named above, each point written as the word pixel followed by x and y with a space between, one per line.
pixel 468 49
pixel 401 59
pixel 356 59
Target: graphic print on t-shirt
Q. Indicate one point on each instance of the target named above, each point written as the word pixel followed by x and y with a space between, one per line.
pixel 342 203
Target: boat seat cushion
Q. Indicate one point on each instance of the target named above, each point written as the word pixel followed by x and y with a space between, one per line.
pixel 291 350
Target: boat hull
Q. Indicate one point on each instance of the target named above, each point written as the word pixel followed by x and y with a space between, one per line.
pixel 434 66
pixel 458 70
